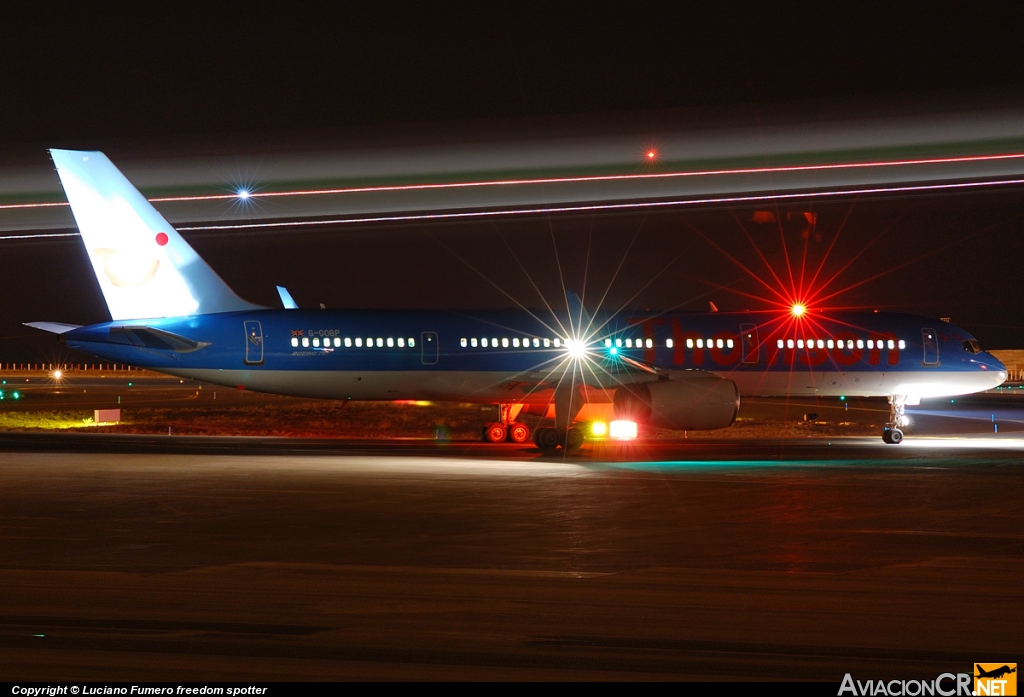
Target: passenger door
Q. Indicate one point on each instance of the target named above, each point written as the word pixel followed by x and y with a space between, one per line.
pixel 748 340
pixel 253 343
pixel 428 348
pixel 931 346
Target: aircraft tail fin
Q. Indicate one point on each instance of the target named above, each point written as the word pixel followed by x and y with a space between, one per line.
pixel 144 267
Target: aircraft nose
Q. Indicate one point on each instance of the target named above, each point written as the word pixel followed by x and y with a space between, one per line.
pixel 994 367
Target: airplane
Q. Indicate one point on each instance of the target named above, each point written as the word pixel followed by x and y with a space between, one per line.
pixel 171 313
pixel 995 673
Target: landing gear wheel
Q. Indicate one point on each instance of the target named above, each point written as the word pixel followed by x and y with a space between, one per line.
pixel 518 433
pixel 494 433
pixel 573 439
pixel 895 436
pixel 546 438
pixel 886 433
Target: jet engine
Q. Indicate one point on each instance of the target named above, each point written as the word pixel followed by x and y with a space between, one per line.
pixel 687 400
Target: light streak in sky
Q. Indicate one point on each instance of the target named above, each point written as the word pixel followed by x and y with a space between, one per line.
pixel 598 207
pixel 583 208
pixel 248 194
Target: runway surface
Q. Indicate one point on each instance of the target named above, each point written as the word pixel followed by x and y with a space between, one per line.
pixel 250 559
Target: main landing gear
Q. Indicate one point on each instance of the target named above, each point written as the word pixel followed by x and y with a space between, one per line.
pixel 568 402
pixel 549 439
pixel 893 432
pixel 507 429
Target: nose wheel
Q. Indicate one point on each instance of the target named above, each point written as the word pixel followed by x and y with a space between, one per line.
pixel 892 436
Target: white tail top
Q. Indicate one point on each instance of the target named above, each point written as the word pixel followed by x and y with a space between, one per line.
pixel 144 267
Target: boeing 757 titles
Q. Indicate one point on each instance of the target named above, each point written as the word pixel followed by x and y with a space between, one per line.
pixel 170 312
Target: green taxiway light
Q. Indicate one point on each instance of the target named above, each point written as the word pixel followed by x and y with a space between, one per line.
pixel 16 395
pixel 842 398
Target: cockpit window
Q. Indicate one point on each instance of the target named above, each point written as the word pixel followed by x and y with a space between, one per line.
pixel 971 346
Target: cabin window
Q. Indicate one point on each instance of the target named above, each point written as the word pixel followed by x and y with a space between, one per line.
pixel 504 342
pixel 463 343
pixel 871 344
pixel 789 343
pixel 348 342
pixel 316 342
pixel 890 344
pixel 649 343
pixel 515 342
pixel 295 342
pixel 536 343
pixel 729 343
pixel 410 342
pixel 780 343
pixel 557 342
pixel 401 342
pixel 305 342
pixel 669 343
pixel 700 343
pixel 821 344
pixel 902 344
pixel 629 343
pixel 799 343
pixel 547 343
pixel 860 343
pixel 618 343
pixel 829 344
pixel 689 343
pixel 607 343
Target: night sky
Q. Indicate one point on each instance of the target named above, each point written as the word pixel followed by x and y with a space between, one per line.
pixel 254 78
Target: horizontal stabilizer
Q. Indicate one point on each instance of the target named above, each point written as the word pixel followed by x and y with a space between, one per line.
pixel 53 327
pixel 152 338
pixel 286 299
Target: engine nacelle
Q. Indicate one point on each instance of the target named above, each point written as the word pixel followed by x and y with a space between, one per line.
pixel 689 400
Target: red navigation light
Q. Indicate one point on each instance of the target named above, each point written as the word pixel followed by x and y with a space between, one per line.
pixel 162 238
pixel 651 154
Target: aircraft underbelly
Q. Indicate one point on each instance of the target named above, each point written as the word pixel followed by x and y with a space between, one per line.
pixel 371 385
pixel 932 383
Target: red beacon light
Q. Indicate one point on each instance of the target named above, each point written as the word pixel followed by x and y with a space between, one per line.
pixel 798 310
pixel 651 155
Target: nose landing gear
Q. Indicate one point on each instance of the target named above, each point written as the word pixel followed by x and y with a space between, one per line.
pixel 893 432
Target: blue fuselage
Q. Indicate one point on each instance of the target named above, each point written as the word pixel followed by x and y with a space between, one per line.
pixel 511 355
